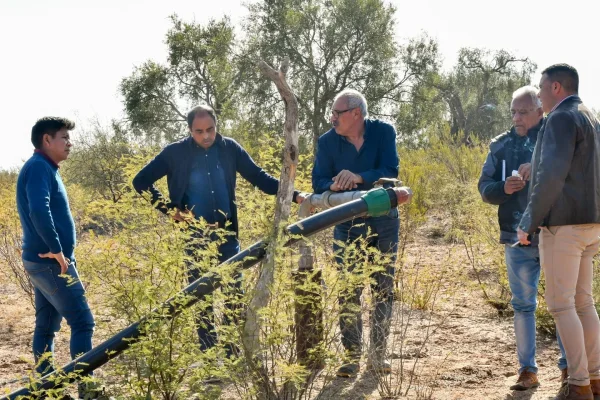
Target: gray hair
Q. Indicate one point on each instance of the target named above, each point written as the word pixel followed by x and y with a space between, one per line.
pixel 530 91
pixel 355 100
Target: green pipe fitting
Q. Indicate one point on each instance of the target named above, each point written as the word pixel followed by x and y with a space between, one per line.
pixel 378 202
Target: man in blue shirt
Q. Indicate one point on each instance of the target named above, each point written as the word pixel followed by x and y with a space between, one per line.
pixel 201 177
pixel 353 155
pixel 49 244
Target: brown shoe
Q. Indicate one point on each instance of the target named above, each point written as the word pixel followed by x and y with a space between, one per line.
pixel 527 380
pixel 595 384
pixel 564 375
pixel 574 392
pixel 380 367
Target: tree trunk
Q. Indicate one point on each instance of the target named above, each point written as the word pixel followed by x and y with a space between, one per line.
pixel 457 112
pixel 262 292
pixel 308 304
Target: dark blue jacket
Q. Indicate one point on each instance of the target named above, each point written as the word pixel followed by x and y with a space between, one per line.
pixel 514 150
pixel 175 161
pixel 377 158
pixel 43 208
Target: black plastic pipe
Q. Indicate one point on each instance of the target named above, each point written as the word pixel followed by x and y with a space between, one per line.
pixel 196 291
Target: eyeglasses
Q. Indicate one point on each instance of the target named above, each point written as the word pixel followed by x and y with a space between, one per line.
pixel 337 113
pixel 522 113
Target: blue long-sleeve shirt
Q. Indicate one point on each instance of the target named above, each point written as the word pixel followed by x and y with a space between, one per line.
pixel 205 194
pixel 176 161
pixel 43 208
pixel 377 157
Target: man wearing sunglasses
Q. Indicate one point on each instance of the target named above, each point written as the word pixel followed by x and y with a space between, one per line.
pixel 353 155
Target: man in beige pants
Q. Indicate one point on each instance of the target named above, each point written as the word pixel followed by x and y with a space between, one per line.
pixel 565 202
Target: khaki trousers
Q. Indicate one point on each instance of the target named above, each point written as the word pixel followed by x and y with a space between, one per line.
pixel 566 254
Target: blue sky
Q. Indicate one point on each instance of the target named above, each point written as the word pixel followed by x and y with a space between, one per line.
pixel 67 57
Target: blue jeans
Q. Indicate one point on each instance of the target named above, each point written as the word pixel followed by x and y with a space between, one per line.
pixel 384 231
pixel 56 298
pixel 523 264
pixel 206 320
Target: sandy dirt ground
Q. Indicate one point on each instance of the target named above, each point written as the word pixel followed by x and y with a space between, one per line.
pixel 470 355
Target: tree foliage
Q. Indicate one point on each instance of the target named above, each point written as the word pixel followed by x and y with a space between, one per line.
pixel 332 45
pixel 96 162
pixel 199 68
pixel 479 90
pixel 474 97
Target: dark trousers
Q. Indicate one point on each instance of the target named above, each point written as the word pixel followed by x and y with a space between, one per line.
pixel 206 320
pixel 384 237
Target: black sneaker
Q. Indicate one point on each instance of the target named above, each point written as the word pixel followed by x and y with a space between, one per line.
pixel 349 370
pixel 212 380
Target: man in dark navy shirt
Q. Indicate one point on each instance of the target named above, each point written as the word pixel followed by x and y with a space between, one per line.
pixel 206 196
pixel 353 155
pixel 201 177
pixel 49 247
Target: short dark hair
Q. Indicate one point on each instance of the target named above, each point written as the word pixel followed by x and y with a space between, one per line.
pixel 48 125
pixel 564 74
pixel 200 110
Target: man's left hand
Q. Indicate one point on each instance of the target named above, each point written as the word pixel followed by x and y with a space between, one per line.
pixel 347 180
pixel 522 235
pixel 404 195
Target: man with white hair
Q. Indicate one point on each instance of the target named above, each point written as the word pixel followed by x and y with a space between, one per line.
pixel 504 181
pixel 353 155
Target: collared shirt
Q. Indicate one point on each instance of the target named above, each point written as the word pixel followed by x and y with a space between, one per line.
pixel 377 157
pixel 206 193
pixel 560 102
pixel 43 207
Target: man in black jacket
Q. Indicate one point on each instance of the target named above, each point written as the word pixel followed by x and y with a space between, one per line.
pixel 512 151
pixel 565 202
pixel 201 177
